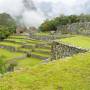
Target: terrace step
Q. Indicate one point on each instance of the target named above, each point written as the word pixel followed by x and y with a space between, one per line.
pixel 39 55
pixel 27 46
pixel 10 44
pixel 43 46
pixel 10 48
pixel 12 41
pixel 42 51
pixel 16 58
pixel 24 50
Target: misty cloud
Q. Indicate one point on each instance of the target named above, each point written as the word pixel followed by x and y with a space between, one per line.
pixel 33 13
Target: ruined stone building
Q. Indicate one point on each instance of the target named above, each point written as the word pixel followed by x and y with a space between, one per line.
pixel 75 28
pixel 20 30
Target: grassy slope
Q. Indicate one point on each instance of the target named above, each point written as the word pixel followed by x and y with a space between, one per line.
pixel 10 44
pixel 8 55
pixel 17 36
pixel 68 74
pixel 28 62
pixel 80 41
pixel 43 34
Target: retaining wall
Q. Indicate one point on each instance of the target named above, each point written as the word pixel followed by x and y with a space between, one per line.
pixel 75 28
pixel 10 48
pixel 60 50
pixel 48 37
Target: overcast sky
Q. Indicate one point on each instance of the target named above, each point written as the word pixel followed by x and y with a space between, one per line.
pixel 45 9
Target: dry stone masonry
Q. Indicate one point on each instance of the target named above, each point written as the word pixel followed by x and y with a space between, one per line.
pixel 75 28
pixel 60 50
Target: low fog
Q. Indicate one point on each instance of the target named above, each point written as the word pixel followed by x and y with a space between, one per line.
pixel 33 13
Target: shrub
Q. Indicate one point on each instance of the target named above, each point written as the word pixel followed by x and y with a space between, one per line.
pixel 3 67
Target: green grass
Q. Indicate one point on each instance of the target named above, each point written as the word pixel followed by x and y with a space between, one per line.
pixel 28 62
pixel 41 54
pixel 43 49
pixel 8 55
pixel 18 36
pixel 10 44
pixel 65 74
pixel 80 41
pixel 17 40
pixel 43 34
pixel 26 41
pixel 24 49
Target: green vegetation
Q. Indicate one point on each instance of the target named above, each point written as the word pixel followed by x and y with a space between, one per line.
pixel 40 54
pixel 44 49
pixel 51 25
pixel 7 25
pixel 65 74
pixel 43 34
pixel 25 49
pixel 72 73
pixel 17 42
pixel 9 55
pixel 28 62
pixel 9 44
pixel 18 37
pixel 2 65
pixel 80 41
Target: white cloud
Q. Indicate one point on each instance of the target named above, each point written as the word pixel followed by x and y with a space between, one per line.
pixel 32 18
pixel 51 8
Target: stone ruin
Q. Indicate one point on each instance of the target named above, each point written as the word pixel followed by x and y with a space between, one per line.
pixel 20 29
pixel 61 50
pixel 75 28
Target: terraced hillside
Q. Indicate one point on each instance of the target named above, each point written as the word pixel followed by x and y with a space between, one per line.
pixel 64 74
pixel 78 41
pixel 24 50
pixel 31 73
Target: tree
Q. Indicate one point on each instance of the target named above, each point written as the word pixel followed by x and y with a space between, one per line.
pixel 3 67
pixel 7 25
pixel 50 25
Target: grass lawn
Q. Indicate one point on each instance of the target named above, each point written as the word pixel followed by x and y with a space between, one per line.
pixel 17 40
pixel 8 55
pixel 80 41
pixel 28 62
pixel 41 54
pixel 25 49
pixel 10 44
pixel 43 49
pixel 43 33
pixel 17 36
pixel 66 74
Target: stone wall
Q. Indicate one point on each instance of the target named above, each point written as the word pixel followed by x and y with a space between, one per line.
pixel 75 28
pixel 45 37
pixel 60 50
pixel 10 48
pixel 48 37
